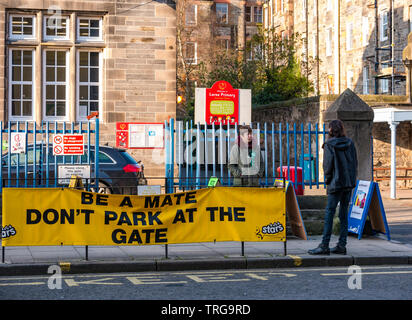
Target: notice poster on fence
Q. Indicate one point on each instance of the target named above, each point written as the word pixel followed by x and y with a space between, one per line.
pixel 133 135
pixel 51 216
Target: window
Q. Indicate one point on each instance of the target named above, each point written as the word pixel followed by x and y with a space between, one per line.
pixel 349 35
pixel 329 41
pixel 365 31
pixel 315 9
pixel 191 15
pixel 21 75
pixel 384 85
pixel 304 48
pixel 365 80
pixel 89 29
pixel 410 19
pixel 55 84
pixel 223 44
pixel 191 52
pixel 222 12
pixel 248 14
pixel 282 6
pixel 384 26
pixel 257 14
pixel 349 79
pixel 328 5
pixel 56 28
pixel 22 27
pixel 53 102
pixel 304 8
pixel 315 45
pixel 254 52
pixel 88 86
pixel 253 14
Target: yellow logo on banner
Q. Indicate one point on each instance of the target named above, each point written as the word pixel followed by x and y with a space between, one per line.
pixel 50 216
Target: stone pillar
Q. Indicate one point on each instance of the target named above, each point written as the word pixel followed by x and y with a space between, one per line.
pixel 357 118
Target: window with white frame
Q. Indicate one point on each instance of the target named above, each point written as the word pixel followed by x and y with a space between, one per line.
pixel 21 75
pixel 384 85
pixel 89 29
pixel 257 14
pixel 191 52
pixel 22 27
pixel 254 14
pixel 88 82
pixel 222 12
pixel 384 25
pixel 191 15
pixel 304 8
pixel 55 84
pixel 328 5
pixel 53 99
pixel 56 28
pixel 329 40
pixel 365 80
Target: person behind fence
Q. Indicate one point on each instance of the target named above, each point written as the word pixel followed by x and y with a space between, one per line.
pixel 340 167
pixel 246 163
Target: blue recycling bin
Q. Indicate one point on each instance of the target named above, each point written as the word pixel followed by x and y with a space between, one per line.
pixel 309 168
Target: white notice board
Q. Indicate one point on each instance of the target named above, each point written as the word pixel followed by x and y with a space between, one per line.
pixel 146 135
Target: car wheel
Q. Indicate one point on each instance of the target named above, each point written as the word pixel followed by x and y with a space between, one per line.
pixel 103 188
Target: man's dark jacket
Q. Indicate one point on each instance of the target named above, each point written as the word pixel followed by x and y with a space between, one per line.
pixel 340 164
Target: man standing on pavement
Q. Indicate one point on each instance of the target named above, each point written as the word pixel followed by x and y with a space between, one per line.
pixel 340 167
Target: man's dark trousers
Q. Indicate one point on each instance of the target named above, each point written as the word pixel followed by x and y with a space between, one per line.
pixel 342 197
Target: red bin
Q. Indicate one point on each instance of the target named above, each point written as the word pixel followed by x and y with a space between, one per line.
pixel 293 176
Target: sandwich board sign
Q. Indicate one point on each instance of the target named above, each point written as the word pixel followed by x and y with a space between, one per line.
pixel 367 200
pixel 292 209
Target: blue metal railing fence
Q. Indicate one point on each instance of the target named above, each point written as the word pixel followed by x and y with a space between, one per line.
pixel 196 152
pixel 37 166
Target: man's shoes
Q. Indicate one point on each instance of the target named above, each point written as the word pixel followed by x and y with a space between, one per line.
pixel 320 250
pixel 338 250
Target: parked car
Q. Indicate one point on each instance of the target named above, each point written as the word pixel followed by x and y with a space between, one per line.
pixel 119 172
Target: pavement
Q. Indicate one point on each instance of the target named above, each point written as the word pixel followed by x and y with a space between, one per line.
pixel 370 250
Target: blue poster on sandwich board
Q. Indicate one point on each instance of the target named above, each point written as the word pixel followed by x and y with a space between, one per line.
pixel 367 200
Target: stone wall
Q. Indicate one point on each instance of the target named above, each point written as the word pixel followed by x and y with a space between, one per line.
pixel 310 110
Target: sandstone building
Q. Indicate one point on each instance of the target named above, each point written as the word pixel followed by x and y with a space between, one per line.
pixel 62 60
pixel 358 42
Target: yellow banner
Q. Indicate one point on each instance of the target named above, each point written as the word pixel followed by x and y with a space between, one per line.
pixel 51 216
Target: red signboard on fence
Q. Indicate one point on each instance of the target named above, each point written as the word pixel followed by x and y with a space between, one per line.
pixel 68 144
pixel 222 104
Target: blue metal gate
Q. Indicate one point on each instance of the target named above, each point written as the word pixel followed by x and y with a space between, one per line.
pixel 37 166
pixel 194 153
